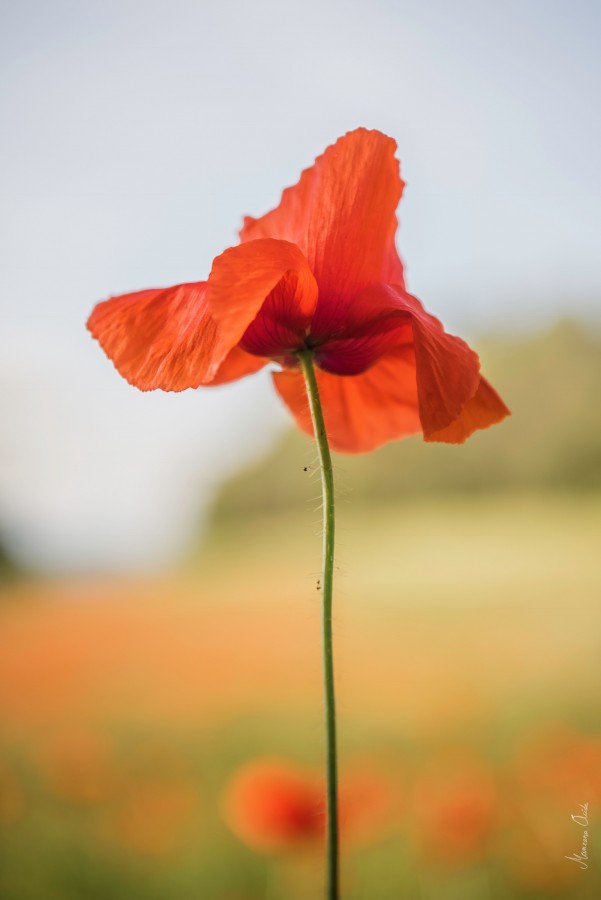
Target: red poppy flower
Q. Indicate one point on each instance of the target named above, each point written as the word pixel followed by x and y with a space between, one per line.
pixel 455 810
pixel 320 272
pixel 274 805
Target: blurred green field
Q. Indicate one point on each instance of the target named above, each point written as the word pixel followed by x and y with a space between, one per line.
pixel 467 650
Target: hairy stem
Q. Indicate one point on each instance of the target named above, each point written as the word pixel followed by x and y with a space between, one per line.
pixel 327 482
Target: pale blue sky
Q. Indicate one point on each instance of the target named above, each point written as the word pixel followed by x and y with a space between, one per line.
pixel 137 134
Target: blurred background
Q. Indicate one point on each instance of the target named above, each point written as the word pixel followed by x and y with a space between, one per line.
pixel 160 686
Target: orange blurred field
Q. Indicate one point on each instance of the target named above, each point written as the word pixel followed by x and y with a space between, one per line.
pixel 126 706
pixel 445 640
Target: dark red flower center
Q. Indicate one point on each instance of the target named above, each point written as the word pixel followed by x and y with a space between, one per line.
pixel 342 343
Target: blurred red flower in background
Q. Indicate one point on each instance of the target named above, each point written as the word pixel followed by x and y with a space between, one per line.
pixel 154 817
pixel 275 805
pixel 562 766
pixel 12 798
pixel 319 273
pixel 272 805
pixel 555 771
pixel 79 766
pixel 455 809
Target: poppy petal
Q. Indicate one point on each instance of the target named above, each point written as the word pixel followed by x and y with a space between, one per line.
pixel 341 214
pixel 263 272
pixel 281 325
pixel 236 365
pixel 447 370
pixel 484 409
pixel 349 339
pixel 355 353
pixel 273 805
pixel 160 338
pixel 361 412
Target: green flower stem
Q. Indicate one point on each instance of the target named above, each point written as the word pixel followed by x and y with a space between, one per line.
pixel 327 482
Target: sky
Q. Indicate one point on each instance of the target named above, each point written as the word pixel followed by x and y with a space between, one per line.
pixel 137 134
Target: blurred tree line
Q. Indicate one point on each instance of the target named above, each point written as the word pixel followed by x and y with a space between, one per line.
pixel 552 383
